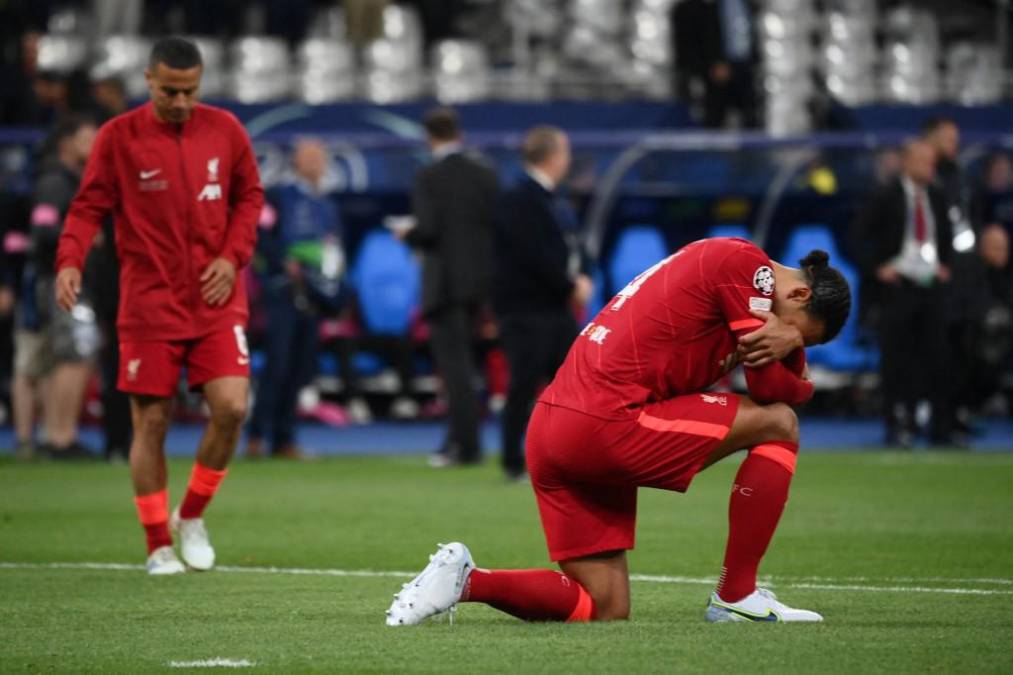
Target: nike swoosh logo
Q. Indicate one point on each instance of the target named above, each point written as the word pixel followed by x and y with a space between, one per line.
pixel 145 175
pixel 752 617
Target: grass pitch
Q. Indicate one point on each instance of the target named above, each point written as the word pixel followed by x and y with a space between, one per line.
pixel 908 556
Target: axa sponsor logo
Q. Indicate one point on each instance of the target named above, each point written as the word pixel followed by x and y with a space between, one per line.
pixel 211 192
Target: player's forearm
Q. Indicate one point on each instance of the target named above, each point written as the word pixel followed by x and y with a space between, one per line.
pixel 75 241
pixel 775 383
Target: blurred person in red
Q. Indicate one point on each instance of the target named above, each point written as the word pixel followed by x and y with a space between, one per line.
pixel 180 179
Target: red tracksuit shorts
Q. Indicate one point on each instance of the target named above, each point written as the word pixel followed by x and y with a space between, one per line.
pixel 153 368
pixel 585 470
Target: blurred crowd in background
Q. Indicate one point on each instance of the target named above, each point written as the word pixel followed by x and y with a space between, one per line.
pixel 789 66
pixel 388 323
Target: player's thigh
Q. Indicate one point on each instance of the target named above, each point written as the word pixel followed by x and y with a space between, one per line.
pixel 606 578
pixel 222 354
pixel 668 441
pixel 755 424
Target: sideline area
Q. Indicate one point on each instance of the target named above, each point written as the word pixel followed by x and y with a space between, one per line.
pixel 394 438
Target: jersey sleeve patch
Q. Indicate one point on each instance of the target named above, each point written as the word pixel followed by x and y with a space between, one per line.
pixel 760 304
pixel 763 280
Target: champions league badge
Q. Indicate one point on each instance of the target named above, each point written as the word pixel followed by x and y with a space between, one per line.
pixel 763 280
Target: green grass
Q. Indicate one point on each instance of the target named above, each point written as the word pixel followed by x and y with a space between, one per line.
pixel 935 520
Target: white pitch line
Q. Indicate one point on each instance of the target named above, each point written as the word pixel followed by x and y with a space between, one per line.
pixel 810 583
pixel 711 581
pixel 217 662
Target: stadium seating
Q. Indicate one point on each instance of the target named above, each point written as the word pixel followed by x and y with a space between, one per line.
pixel 387 280
pixel 848 353
pixel 637 248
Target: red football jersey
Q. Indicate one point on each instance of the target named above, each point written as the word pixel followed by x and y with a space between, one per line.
pixel 672 331
pixel 180 195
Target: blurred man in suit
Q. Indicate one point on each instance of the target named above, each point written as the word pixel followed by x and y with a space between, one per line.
pixel 536 283
pixel 903 242
pixel 713 48
pixel 454 201
pixel 943 134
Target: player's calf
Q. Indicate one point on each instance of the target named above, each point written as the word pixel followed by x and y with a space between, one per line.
pixel 451 577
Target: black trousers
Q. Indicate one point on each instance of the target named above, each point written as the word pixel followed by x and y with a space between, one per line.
pixel 117 426
pixel 915 362
pixel 536 344
pixel 737 93
pixel 452 332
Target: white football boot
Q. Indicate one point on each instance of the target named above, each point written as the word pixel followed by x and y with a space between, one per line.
pixel 193 541
pixel 436 589
pixel 760 605
pixel 163 561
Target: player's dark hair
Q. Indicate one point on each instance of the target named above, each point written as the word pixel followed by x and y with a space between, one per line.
pixel 831 297
pixel 175 52
pixel 441 124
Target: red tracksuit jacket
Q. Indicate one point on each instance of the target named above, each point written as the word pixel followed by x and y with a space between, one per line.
pixel 181 196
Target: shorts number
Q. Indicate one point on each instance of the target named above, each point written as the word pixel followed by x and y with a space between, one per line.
pixel 241 340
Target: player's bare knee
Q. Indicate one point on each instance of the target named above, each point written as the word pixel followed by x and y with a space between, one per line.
pixel 780 423
pixel 154 423
pixel 229 414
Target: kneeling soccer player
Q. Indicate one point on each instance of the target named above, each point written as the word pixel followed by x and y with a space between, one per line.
pixel 628 409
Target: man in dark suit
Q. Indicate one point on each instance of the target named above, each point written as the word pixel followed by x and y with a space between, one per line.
pixel 903 243
pixel 537 282
pixel 454 200
pixel 713 48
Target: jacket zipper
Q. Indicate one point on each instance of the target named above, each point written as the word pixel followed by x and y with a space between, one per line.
pixel 194 290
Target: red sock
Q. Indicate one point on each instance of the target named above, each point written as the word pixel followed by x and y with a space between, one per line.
pixel 532 595
pixel 758 498
pixel 204 483
pixel 153 512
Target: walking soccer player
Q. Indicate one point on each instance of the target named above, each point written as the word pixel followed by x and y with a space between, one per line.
pixel 180 180
pixel 629 409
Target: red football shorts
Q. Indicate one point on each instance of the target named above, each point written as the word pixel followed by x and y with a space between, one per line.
pixel 153 368
pixel 586 471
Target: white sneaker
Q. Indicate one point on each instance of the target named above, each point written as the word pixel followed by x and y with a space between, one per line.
pixel 163 561
pixel 194 543
pixel 436 589
pixel 760 605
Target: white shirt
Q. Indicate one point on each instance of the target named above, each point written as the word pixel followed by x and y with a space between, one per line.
pixel 445 150
pixel 917 262
pixel 540 178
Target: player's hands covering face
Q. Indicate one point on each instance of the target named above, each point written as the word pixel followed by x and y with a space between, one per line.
pixel 217 282
pixel 771 342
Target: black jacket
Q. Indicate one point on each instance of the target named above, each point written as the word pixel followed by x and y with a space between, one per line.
pixel 454 200
pixel 878 233
pixel 531 252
